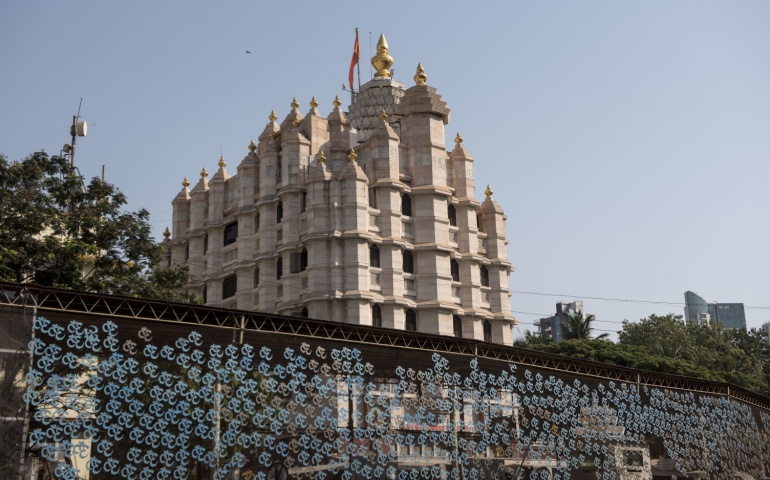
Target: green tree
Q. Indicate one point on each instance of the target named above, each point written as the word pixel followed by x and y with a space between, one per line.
pixel 531 340
pixel 56 230
pixel 576 326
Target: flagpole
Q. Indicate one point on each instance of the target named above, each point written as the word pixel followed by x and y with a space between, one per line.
pixel 358 66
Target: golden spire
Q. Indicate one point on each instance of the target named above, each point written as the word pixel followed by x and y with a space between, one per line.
pixel 273 117
pixel 382 61
pixel 166 233
pixel 488 192
pixel 313 103
pixel 204 173
pixel 336 101
pixel 185 182
pixel 221 162
pixel 383 116
pixel 294 103
pixel 352 155
pixel 321 157
pixel 252 146
pixel 420 77
pixel 458 139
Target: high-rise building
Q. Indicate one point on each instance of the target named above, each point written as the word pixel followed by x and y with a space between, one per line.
pixel 361 216
pixel 550 327
pixel 729 315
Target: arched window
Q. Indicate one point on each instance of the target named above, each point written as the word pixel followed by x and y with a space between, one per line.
pixel 452 214
pixel 205 243
pixel 374 256
pixel 408 261
pixel 487 331
pixel 303 260
pixel 484 276
pixel 480 221
pixel 231 234
pixel 303 204
pixel 373 198
pixel 455 269
pixel 411 321
pixel 457 326
pixel 256 277
pixel 205 294
pixel 187 252
pixel 279 268
pixel 406 204
pixel 229 286
pixel 279 212
pixel 376 316
pixel 303 313
pixel 256 223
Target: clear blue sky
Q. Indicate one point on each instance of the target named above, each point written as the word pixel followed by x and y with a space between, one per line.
pixel 628 142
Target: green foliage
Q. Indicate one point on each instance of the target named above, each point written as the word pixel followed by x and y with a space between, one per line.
pixel 56 230
pixel 577 327
pixel 667 344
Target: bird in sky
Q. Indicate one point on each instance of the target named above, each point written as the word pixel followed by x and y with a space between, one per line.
pixel 248 51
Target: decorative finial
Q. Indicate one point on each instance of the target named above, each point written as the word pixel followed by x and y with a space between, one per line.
pixel 458 139
pixel 252 146
pixel 382 61
pixel 321 157
pixel 273 117
pixel 488 192
pixel 352 155
pixel 336 101
pixel 383 116
pixel 185 182
pixel 420 77
pixel 204 173
pixel 221 162
pixel 294 103
pixel 313 103
pixel 167 234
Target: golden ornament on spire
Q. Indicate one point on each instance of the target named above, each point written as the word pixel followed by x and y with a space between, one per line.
pixel 294 103
pixel 222 162
pixel 420 77
pixel 352 155
pixel 313 103
pixel 166 233
pixel 204 173
pixel 383 116
pixel 273 117
pixel 337 101
pixel 252 146
pixel 321 157
pixel 185 182
pixel 382 61
pixel 488 192
pixel 458 139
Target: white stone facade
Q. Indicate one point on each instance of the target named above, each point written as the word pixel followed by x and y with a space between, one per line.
pixel 392 238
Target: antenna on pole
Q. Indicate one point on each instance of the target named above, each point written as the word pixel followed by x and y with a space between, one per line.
pixel 78 129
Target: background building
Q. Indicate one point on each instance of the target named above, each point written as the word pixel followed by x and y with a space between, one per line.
pixel 729 315
pixel 550 327
pixel 361 216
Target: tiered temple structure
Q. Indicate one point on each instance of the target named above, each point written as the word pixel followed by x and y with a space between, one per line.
pixel 361 217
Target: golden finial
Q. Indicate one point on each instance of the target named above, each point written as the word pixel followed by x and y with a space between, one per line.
pixel 488 192
pixel 336 101
pixel 252 146
pixel 382 61
pixel 166 233
pixel 204 173
pixel 221 162
pixel 458 139
pixel 313 103
pixel 185 182
pixel 294 103
pixel 273 117
pixel 420 77
pixel 383 116
pixel 321 157
pixel 352 155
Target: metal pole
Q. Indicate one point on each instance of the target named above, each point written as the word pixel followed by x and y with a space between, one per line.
pixel 73 131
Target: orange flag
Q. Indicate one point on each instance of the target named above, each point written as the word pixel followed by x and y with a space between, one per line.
pixel 353 62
